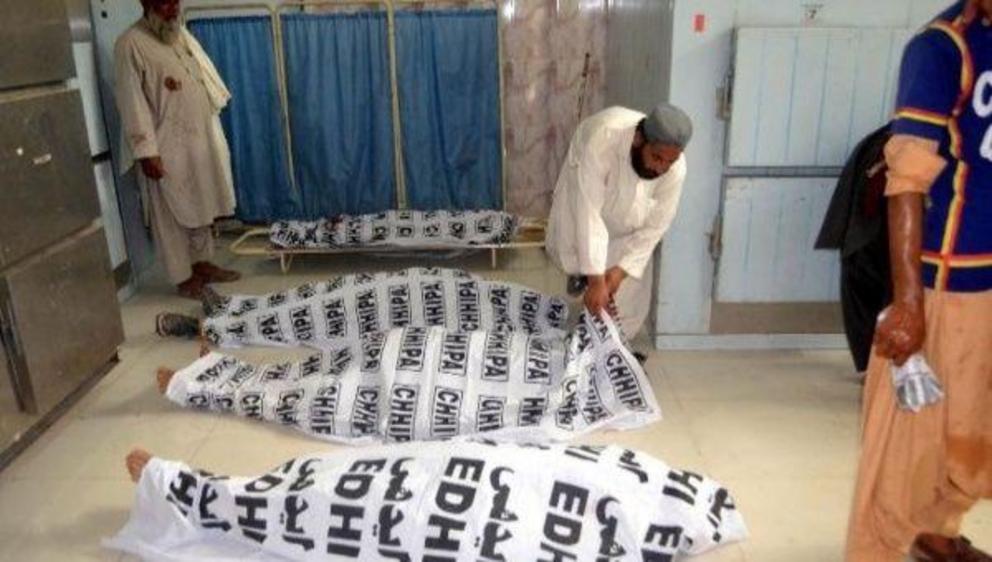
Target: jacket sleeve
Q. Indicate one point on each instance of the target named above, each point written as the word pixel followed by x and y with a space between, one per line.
pixel 833 230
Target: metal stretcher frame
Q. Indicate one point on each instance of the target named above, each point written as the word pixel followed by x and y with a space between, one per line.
pixel 255 243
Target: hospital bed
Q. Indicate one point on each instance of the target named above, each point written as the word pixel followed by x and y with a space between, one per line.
pixel 256 242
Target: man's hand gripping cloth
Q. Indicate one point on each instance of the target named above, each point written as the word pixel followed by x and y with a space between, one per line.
pixel 475 501
pixel 413 384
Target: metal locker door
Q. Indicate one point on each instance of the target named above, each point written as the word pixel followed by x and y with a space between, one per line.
pixel 769 279
pixel 802 98
pixel 62 306
pixel 48 185
pixel 38 30
pixel 13 419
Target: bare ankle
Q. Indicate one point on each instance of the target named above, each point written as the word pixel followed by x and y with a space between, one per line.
pixel 163 377
pixel 136 461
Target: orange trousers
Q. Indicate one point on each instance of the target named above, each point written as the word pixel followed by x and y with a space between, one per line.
pixel 923 472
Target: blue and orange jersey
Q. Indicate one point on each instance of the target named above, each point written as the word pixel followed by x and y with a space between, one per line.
pixel 945 94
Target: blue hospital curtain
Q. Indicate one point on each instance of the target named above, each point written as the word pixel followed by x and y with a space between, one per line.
pixel 337 73
pixel 448 66
pixel 242 50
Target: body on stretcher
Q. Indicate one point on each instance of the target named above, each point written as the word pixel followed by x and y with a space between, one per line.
pixel 256 242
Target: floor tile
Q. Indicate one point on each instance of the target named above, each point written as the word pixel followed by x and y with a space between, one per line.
pixel 83 513
pixel 776 438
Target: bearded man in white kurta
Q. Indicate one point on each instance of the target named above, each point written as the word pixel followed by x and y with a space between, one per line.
pixel 170 96
pixel 616 197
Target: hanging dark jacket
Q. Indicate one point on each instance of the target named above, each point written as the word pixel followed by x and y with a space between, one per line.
pixel 856 224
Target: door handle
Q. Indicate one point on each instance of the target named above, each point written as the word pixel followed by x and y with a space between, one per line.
pixel 43 159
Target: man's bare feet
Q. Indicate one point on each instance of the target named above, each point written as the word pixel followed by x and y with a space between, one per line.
pixel 136 461
pixel 191 288
pixel 204 341
pixel 210 273
pixel 164 377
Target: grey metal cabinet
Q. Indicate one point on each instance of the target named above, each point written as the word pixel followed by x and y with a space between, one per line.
pixel 12 419
pixel 59 318
pixel 48 189
pixel 36 41
pixel 60 323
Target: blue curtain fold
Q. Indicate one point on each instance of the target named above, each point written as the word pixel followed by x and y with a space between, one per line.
pixel 337 73
pixel 448 79
pixel 242 50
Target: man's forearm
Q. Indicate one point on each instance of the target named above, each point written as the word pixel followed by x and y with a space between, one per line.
pixel 906 247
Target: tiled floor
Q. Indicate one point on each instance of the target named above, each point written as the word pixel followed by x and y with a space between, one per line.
pixel 780 429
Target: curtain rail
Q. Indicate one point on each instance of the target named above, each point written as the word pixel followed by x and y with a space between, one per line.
pixel 245 6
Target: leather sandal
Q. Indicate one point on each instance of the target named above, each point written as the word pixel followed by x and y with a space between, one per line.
pixel 935 548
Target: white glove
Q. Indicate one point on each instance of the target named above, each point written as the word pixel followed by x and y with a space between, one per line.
pixel 915 384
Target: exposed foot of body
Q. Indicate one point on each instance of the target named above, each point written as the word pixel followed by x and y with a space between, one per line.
pixel 136 461
pixel 163 377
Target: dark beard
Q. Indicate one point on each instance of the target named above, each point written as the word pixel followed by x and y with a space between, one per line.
pixel 637 161
pixel 166 31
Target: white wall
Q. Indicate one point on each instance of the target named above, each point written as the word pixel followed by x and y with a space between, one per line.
pixel 700 65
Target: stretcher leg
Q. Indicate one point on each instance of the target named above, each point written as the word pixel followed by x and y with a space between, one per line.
pixel 493 257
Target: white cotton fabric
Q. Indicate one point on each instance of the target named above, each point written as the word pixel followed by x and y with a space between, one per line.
pixel 477 501
pixel 418 384
pixel 216 88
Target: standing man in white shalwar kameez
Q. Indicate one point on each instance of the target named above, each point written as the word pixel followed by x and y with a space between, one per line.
pixel 616 197
pixel 170 96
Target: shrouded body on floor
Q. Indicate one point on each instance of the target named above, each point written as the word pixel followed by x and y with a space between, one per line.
pixel 468 500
